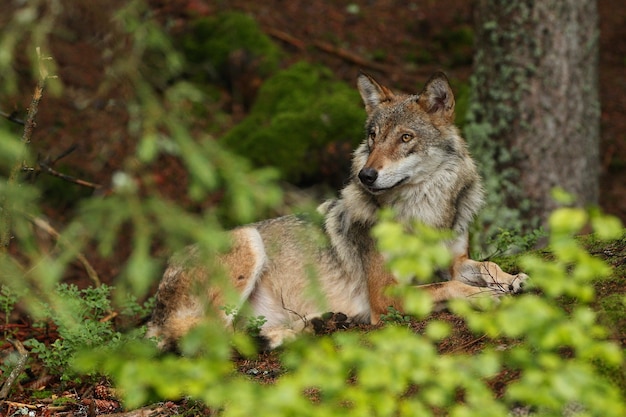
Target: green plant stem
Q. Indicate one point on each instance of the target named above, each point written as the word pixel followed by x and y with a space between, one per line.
pixel 29 126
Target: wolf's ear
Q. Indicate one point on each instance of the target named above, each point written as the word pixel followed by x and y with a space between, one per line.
pixel 372 93
pixel 437 97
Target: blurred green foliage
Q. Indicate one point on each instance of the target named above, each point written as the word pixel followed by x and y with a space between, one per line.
pixel 298 112
pixel 564 358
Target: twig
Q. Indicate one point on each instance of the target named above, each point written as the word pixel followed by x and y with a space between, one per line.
pixel 5 220
pixel 33 108
pixel 46 227
pixel 12 117
pixel 108 317
pixel 20 405
pixel 15 373
pixel 467 344
pixel 44 167
pixel 303 318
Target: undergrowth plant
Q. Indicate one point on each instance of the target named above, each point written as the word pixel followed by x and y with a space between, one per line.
pixel 393 316
pixel 251 324
pixel 8 299
pixel 83 319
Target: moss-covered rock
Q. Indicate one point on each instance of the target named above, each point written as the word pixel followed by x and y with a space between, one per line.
pixel 298 113
pixel 212 40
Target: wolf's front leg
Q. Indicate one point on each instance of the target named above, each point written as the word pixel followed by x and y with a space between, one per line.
pixel 275 336
pixel 443 291
pixel 487 274
pixel 482 274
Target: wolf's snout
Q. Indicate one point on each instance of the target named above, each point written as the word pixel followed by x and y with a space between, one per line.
pixel 368 176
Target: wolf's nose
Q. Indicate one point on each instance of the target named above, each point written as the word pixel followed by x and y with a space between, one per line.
pixel 368 176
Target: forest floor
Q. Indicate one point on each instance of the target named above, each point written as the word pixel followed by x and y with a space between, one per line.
pixel 401 47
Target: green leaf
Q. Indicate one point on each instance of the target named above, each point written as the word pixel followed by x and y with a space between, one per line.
pixel 607 227
pixel 567 220
pixel 437 330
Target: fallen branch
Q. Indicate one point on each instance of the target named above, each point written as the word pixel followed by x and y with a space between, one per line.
pixel 342 53
pixel 17 371
pixel 285 37
pixel 352 57
pixel 328 48
pixel 20 405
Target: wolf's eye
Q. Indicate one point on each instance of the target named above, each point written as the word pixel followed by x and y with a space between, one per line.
pixel 406 137
pixel 370 137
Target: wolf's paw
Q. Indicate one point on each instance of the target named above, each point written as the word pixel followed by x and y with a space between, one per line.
pixel 273 337
pixel 515 285
pixel 330 322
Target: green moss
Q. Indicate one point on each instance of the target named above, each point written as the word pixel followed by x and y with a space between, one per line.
pixel 592 243
pixel 211 40
pixel 612 315
pixel 297 113
pixel 613 311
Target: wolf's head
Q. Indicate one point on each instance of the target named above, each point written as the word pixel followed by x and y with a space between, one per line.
pixel 409 137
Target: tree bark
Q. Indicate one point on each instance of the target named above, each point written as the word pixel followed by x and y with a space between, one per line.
pixel 535 101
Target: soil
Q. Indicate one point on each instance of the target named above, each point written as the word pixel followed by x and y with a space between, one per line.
pixel 401 45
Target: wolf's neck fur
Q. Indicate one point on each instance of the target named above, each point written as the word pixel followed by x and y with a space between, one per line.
pixel 443 201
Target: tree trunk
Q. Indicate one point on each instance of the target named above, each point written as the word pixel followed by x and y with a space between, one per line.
pixel 534 118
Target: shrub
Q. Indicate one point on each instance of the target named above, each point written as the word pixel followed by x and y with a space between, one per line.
pixel 84 319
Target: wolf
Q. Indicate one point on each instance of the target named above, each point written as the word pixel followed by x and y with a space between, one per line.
pixel 290 271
